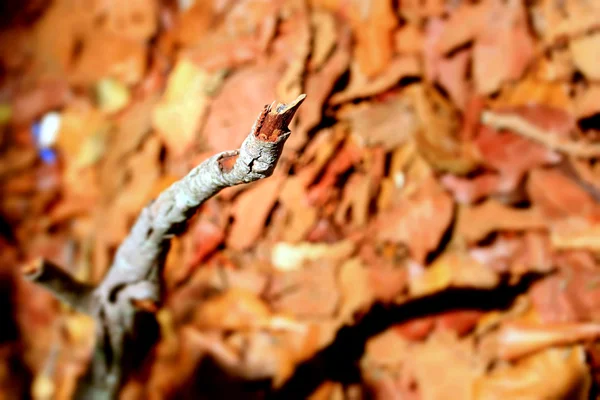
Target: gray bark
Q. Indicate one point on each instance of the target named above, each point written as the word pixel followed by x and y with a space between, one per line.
pixel 136 269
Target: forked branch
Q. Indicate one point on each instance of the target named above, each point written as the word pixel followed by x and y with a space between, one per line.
pixel 136 269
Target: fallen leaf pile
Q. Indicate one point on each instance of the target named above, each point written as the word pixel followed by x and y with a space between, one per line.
pixel 443 147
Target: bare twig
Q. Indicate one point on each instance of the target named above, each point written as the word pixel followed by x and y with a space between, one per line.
pixel 66 288
pixel 521 126
pixel 134 276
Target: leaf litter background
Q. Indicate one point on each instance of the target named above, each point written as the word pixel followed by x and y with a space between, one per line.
pixel 447 153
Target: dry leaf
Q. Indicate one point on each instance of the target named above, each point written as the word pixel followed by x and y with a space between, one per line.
pixel 583 50
pixel 236 308
pixel 389 123
pixel 287 257
pixel 437 139
pixel 318 87
pixel 419 221
pixel 503 49
pixel 323 24
pixel 476 222
pixel 576 234
pixel 516 340
pixel 552 374
pixel 573 293
pixel 451 361
pixel 373 24
pixel 361 86
pixel 107 55
pixel 557 196
pixel 179 114
pixel 309 292
pixel 408 39
pixel 250 212
pixel 452 269
pixel 235 107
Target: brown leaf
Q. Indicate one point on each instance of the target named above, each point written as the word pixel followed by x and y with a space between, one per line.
pixel 361 86
pixel 583 50
pixel 576 233
pixel 418 221
pixel 503 150
pixel 552 374
pixel 573 19
pixel 434 358
pixel 325 35
pixel 310 292
pixel 373 26
pixel 236 308
pixel 356 291
pixel 453 77
pixel 233 109
pixel 389 123
pixel 572 294
pixel 300 214
pixel 587 102
pixel 503 49
pixel 471 190
pixel 516 340
pixel 452 269
pixel 179 115
pixel 109 55
pixel 250 212
pixel 476 222
pixel 319 85
pixel 30 104
pixel 409 39
pixel 557 196
pixel 437 138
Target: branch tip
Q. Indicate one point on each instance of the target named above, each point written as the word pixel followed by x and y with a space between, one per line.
pixel 275 121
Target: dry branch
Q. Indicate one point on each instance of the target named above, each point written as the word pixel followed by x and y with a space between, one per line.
pixel 521 126
pixel 58 281
pixel 135 273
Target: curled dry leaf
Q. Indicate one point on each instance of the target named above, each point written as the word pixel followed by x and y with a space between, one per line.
pixel 551 374
pixel 474 223
pixel 436 138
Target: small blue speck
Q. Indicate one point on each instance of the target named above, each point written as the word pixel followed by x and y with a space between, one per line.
pixel 48 155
